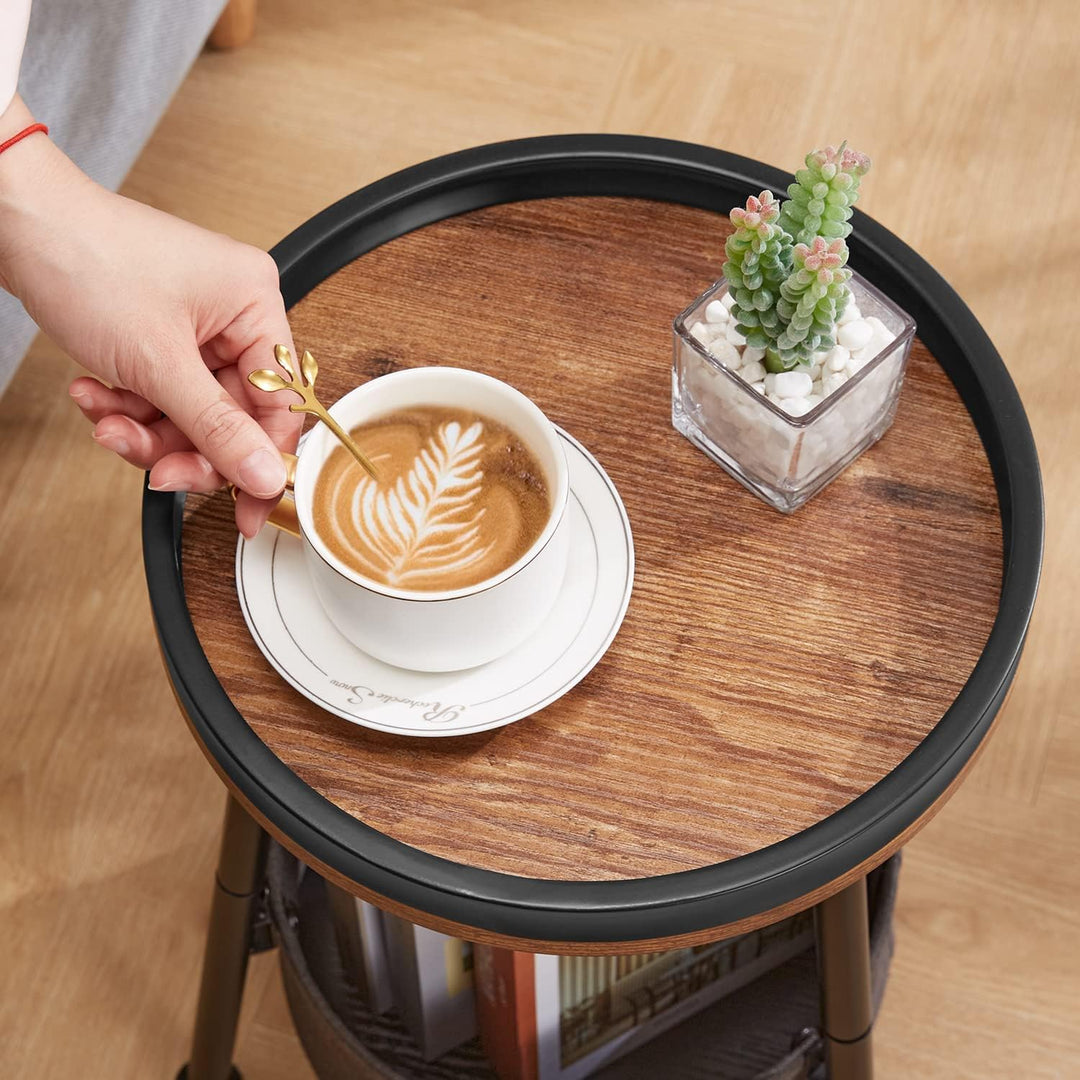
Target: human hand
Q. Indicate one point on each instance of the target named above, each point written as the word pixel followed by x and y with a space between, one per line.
pixel 172 317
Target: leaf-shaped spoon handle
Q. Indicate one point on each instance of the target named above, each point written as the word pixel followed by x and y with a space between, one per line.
pixel 304 385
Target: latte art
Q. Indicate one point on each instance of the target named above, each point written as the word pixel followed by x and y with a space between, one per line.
pixel 459 499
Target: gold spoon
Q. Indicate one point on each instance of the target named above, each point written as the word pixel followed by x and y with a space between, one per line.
pixel 304 385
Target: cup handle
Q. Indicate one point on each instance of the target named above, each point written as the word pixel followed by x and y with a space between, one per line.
pixel 283 516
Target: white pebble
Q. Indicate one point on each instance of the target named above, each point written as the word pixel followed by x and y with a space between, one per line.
pixel 754 372
pixel 837 359
pixel 715 312
pixel 882 337
pixel 727 300
pixel 700 331
pixel 833 382
pixel 726 353
pixel 855 334
pixel 813 399
pixel 752 353
pixel 816 388
pixel 795 406
pixel 770 382
pixel 734 336
pixel 793 384
pixel 851 313
pixel 857 362
pixel 815 371
pixel 758 386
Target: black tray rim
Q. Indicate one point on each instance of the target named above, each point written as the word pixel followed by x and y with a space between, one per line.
pixel 543 910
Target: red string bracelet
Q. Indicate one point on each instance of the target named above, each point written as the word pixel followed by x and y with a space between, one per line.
pixel 22 135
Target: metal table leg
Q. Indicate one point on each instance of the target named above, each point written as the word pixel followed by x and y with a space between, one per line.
pixel 238 885
pixel 843 949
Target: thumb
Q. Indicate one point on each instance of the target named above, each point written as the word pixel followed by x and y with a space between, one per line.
pixel 227 436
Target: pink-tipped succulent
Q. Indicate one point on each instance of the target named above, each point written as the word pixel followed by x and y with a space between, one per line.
pixel 786 265
pixel 812 298
pixel 758 261
pixel 840 158
pixel 820 258
pixel 761 211
pixel 823 194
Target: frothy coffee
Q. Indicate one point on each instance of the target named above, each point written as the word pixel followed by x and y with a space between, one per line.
pixel 459 499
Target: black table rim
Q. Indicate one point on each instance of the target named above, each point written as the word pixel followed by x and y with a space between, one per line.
pixel 693 900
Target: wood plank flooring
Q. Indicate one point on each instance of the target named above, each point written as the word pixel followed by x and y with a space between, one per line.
pixel 109 813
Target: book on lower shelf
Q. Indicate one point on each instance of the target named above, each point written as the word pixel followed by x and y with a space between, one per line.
pixel 562 1017
pixel 432 979
pixel 358 927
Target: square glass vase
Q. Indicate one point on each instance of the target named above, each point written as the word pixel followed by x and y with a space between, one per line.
pixel 785 459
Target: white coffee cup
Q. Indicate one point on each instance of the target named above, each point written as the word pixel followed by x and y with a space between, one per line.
pixel 426 630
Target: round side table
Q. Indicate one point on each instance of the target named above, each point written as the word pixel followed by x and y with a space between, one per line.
pixel 790 698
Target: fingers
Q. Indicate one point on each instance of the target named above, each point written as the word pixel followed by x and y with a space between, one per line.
pixel 251 513
pixel 98 401
pixel 138 444
pixel 174 465
pixel 231 440
pixel 271 410
pixel 160 447
pixel 134 429
pixel 250 340
pixel 130 426
pixel 185 470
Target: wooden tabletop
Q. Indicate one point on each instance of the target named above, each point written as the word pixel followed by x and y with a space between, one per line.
pixel 770 669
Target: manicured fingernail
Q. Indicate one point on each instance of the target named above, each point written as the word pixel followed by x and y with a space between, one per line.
pixel 262 473
pixel 113 443
pixel 169 485
pixel 84 401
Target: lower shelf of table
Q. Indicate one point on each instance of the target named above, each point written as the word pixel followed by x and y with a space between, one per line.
pixel 768 1030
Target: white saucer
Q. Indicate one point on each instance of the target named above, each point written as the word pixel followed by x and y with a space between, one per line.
pixel 294 634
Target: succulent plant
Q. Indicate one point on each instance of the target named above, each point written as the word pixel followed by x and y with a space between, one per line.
pixel 820 201
pixel 786 265
pixel 758 262
pixel 811 299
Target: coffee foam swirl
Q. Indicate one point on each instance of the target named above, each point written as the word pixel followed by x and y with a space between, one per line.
pixel 435 518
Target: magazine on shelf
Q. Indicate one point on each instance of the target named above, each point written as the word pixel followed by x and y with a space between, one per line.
pixel 432 978
pixel 358 927
pixel 562 1017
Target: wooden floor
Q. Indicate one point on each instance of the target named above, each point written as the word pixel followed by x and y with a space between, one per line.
pixel 109 814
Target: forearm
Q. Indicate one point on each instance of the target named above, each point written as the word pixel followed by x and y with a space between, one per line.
pixel 14 17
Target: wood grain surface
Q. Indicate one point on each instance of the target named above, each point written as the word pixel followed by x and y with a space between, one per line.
pixel 770 668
